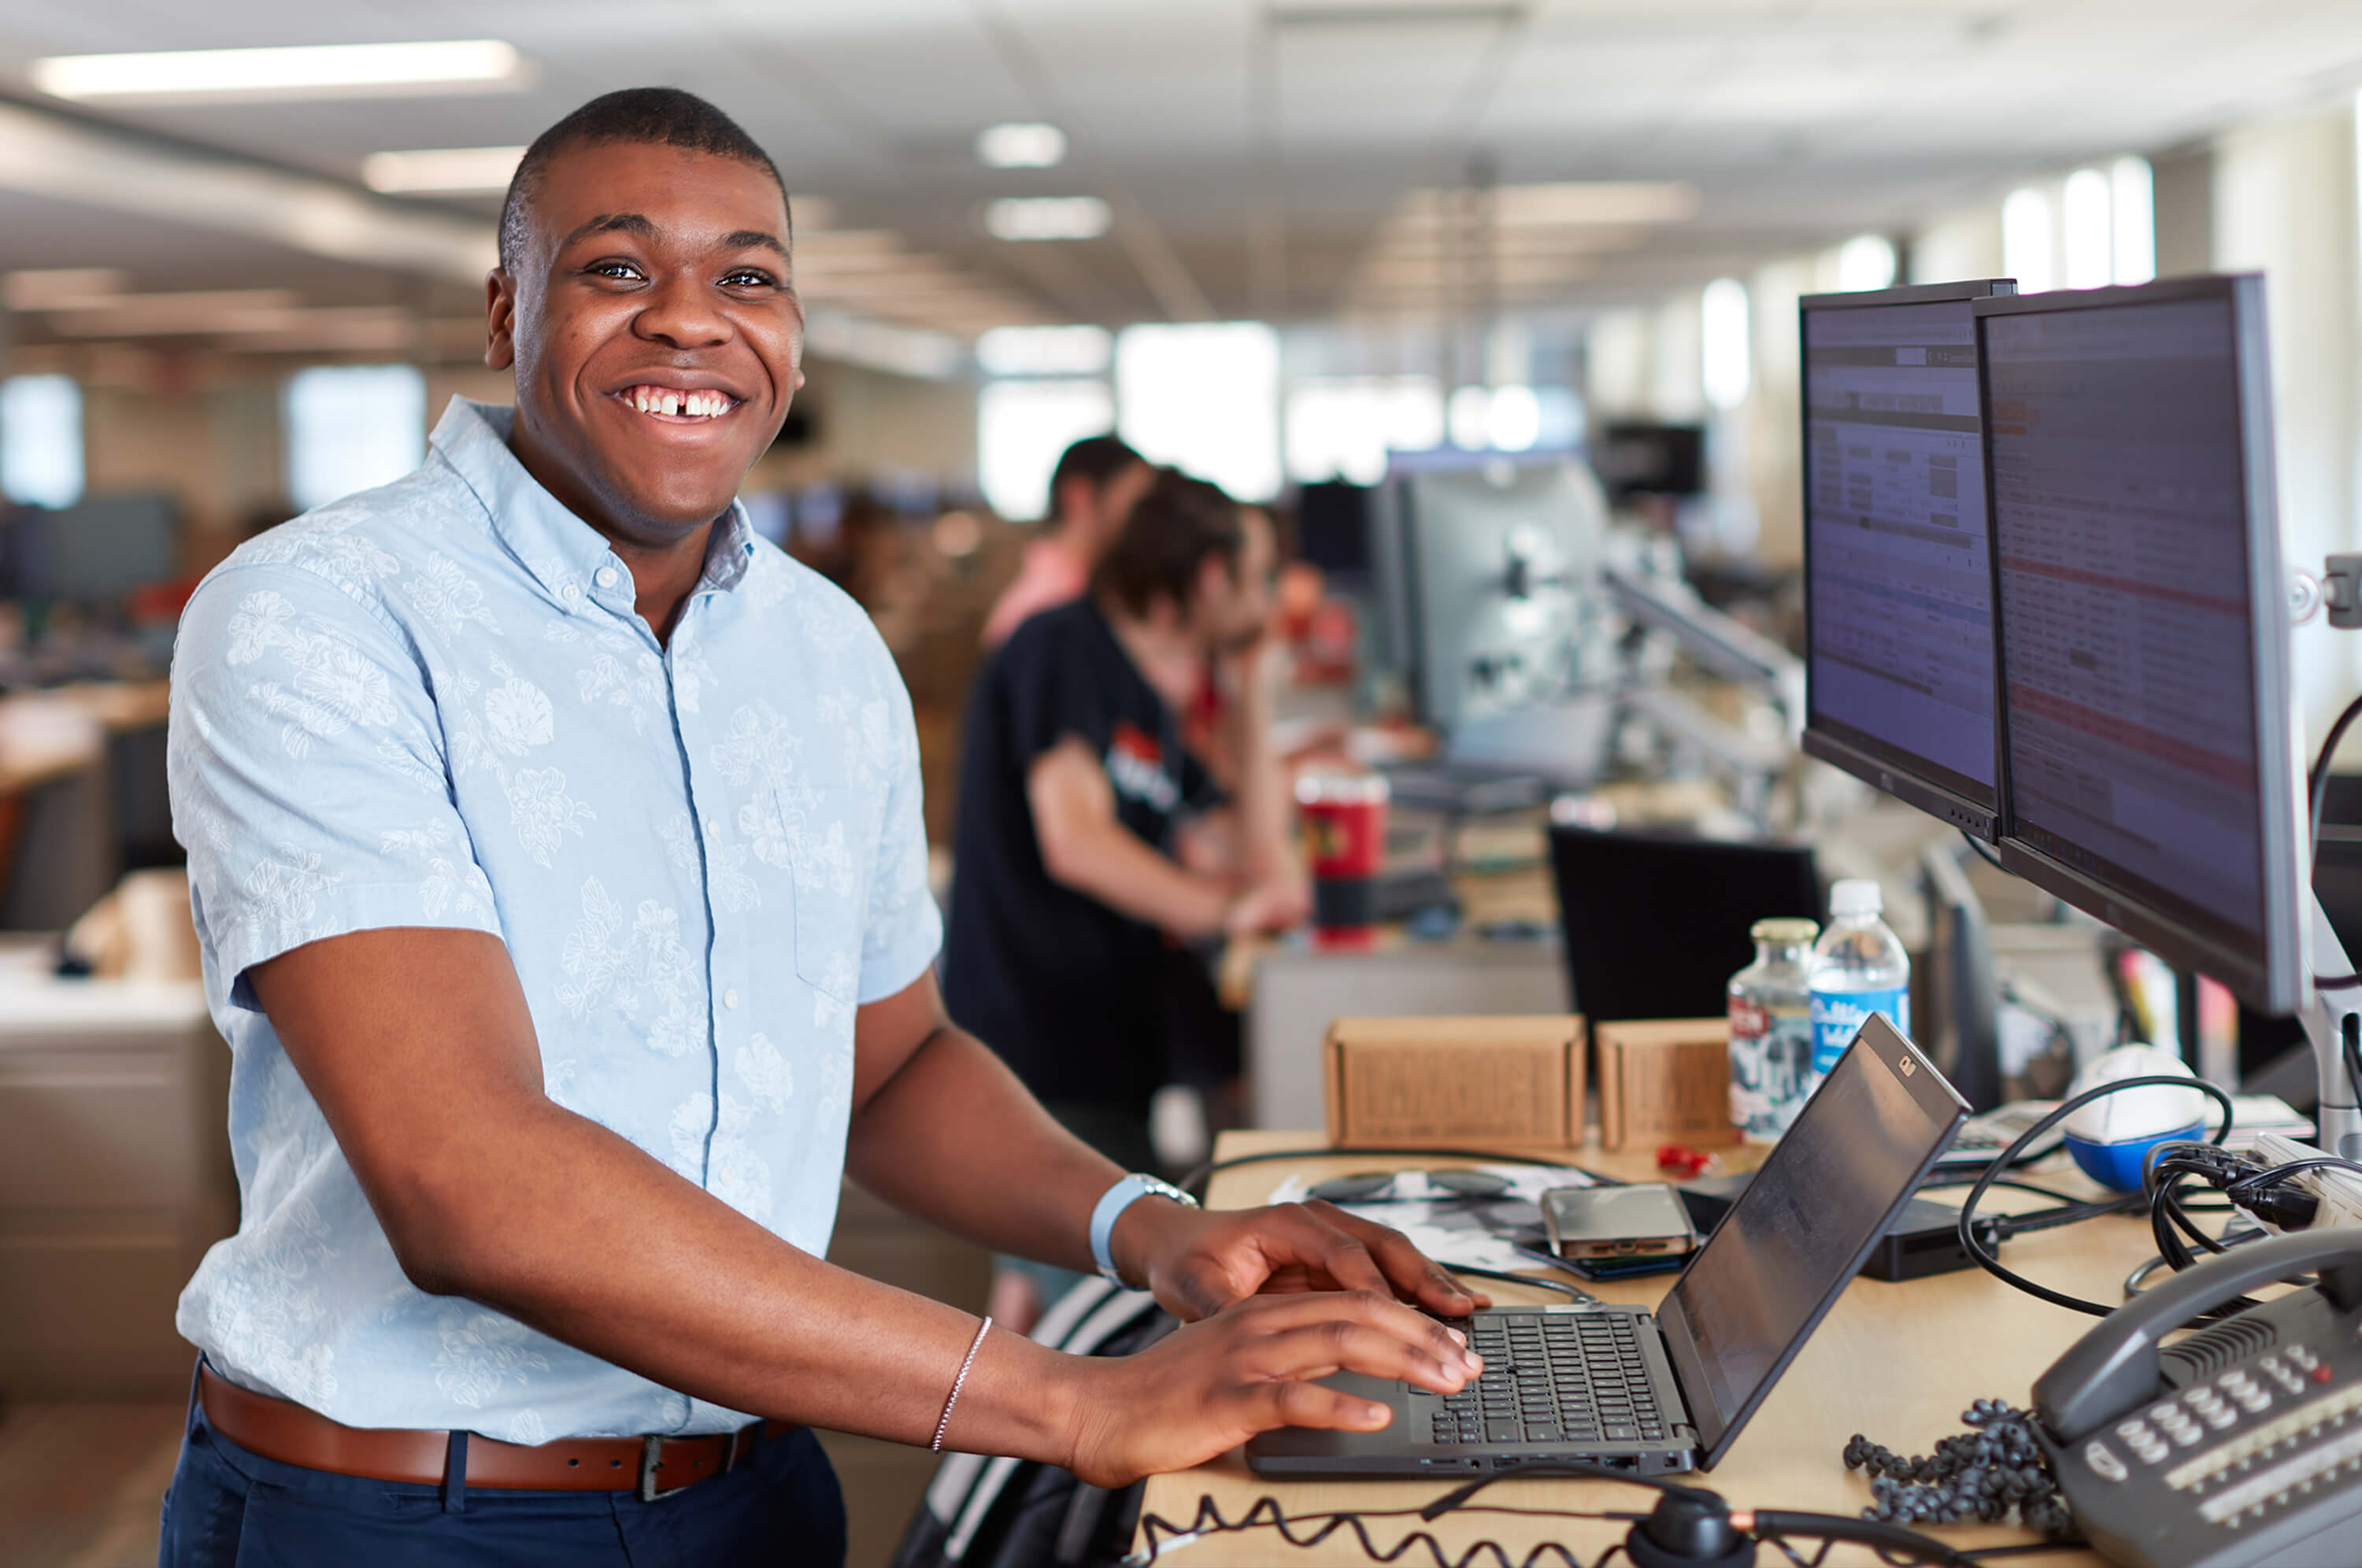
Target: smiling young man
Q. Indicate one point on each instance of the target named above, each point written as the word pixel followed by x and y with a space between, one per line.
pixel 555 853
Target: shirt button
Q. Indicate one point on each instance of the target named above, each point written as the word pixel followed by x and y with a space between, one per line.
pixel 712 829
pixel 604 577
pixel 730 1000
pixel 569 593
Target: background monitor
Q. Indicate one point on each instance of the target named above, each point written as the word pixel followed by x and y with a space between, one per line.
pixel 1619 892
pixel 97 551
pixel 2150 776
pixel 1635 458
pixel 1487 578
pixel 1898 584
pixel 1332 532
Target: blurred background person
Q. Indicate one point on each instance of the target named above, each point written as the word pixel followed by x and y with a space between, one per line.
pixel 1091 492
pixel 1077 800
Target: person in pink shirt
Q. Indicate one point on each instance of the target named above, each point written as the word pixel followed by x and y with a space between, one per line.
pixel 1091 492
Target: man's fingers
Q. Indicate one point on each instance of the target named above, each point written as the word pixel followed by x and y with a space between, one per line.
pixel 1310 1405
pixel 1409 1271
pixel 1322 1350
pixel 1374 1311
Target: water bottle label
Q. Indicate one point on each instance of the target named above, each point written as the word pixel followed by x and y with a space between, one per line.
pixel 1771 1067
pixel 1836 1015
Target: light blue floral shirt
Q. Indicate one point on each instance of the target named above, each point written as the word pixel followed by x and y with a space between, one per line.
pixel 434 704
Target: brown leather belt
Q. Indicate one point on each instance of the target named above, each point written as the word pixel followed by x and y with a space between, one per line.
pixel 652 1467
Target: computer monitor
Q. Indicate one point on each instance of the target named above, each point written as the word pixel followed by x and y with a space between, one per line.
pixel 2150 770
pixel 1898 586
pixel 1332 532
pixel 1656 922
pixel 1635 458
pixel 1485 580
pixel 97 551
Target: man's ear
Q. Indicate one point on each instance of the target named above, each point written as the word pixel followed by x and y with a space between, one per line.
pixel 499 319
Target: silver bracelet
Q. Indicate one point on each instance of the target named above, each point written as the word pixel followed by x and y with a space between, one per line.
pixel 961 1381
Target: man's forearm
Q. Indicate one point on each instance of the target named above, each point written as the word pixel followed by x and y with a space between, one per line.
pixel 573 1230
pixel 955 1140
pixel 1264 819
pixel 1107 862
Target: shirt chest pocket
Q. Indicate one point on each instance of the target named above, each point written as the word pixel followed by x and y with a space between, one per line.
pixel 828 844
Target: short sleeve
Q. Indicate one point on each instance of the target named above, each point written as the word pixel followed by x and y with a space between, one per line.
pixel 308 780
pixel 1053 691
pixel 1200 791
pixel 902 929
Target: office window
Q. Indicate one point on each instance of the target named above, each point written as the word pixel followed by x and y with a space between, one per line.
pixel 1343 427
pixel 1723 342
pixel 2087 230
pixel 350 427
pixel 41 440
pixel 1203 397
pixel 2025 240
pixel 2134 220
pixel 1022 427
pixel 1866 261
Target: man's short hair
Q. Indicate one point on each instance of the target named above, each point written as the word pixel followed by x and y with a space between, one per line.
pixel 650 117
pixel 1097 458
pixel 1172 530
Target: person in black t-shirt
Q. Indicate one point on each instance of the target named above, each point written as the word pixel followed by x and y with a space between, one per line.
pixel 1075 795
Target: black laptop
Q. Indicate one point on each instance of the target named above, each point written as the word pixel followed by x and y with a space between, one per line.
pixel 1671 1389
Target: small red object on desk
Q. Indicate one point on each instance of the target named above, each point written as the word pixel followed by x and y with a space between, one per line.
pixel 1681 1161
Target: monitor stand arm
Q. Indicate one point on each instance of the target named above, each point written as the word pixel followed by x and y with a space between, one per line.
pixel 2332 1017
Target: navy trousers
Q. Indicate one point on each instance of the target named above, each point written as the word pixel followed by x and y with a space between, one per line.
pixel 230 1509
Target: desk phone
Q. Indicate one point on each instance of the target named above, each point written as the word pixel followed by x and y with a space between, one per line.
pixel 2238 1447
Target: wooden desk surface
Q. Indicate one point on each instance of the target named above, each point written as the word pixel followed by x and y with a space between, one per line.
pixel 1896 1361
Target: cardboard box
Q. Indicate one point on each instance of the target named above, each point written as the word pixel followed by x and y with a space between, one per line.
pixel 1665 1081
pixel 1441 1082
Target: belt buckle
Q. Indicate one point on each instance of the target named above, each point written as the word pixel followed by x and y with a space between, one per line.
pixel 651 1454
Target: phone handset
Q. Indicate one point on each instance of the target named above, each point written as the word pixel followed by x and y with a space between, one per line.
pixel 2114 1369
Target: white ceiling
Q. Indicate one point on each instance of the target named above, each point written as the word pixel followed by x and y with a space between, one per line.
pixel 1251 149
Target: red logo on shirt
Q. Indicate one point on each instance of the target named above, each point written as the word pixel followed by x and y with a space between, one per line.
pixel 1135 766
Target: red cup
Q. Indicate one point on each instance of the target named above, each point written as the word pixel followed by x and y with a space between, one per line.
pixel 1345 824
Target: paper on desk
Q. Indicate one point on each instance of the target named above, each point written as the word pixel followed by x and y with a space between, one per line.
pixel 1457 1231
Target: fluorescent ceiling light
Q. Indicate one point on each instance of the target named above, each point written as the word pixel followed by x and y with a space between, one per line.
pixel 874 345
pixel 308 70
pixel 1022 146
pixel 442 169
pixel 1047 218
pixel 1045 351
pixel 59 288
pixel 198 312
pixel 1563 202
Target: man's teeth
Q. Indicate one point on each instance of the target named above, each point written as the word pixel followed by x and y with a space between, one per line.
pixel 666 400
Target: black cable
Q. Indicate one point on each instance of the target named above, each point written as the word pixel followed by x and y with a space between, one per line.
pixel 1195 1182
pixel 1770 1524
pixel 1983 848
pixel 2317 782
pixel 1572 1292
pixel 1265 1513
pixel 1581 1469
pixel 1974 1245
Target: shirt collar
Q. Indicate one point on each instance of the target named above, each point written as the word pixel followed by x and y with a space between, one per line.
pixel 563 553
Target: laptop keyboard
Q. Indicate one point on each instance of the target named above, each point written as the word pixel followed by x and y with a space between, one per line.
pixel 1552 1377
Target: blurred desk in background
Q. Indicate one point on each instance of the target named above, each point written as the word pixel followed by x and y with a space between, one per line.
pixel 82 797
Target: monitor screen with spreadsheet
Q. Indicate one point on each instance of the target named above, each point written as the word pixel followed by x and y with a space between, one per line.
pixel 1898 576
pixel 2150 771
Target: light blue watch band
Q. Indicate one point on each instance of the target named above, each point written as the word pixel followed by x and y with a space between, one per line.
pixel 1118 1199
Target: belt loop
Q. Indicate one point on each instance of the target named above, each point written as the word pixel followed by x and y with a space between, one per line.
pixel 454 1473
pixel 196 1389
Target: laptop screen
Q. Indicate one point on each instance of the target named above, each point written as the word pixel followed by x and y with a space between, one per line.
pixel 1803 1228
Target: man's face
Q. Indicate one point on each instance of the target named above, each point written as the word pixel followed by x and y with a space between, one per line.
pixel 1234 607
pixel 655 329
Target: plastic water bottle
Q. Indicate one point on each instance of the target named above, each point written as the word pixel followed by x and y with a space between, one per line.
pixel 1858 968
pixel 1772 1030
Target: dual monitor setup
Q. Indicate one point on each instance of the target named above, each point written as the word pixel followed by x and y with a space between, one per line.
pixel 2046 603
